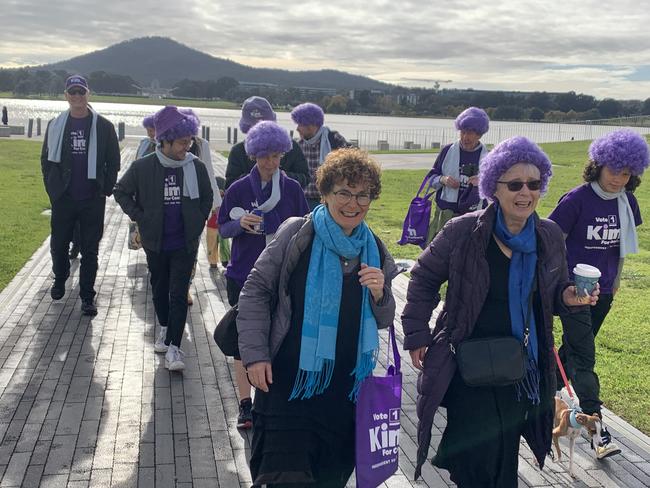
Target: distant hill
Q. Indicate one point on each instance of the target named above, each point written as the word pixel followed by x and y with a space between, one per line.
pixel 150 58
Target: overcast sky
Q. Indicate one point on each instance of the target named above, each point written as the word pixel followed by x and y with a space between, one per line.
pixel 591 46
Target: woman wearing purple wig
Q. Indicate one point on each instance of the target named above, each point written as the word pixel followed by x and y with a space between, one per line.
pixel 599 220
pixel 506 275
pixel 253 208
pixel 454 174
pixel 168 193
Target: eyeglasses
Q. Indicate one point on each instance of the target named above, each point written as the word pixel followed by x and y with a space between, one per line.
pixel 77 91
pixel 343 197
pixel 534 185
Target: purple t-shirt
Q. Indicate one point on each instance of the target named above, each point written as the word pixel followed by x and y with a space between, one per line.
pixel 593 231
pixel 173 226
pixel 80 188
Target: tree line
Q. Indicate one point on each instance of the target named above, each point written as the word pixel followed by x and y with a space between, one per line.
pixel 397 101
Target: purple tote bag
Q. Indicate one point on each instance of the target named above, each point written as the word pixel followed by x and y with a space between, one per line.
pixel 378 423
pixel 416 223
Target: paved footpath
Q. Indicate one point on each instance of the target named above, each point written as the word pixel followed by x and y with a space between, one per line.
pixel 85 402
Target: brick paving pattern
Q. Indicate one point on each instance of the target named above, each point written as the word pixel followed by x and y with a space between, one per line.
pixel 85 402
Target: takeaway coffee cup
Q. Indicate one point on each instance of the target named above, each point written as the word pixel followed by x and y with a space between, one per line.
pixel 586 277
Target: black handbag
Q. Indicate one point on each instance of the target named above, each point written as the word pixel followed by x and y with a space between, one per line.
pixel 226 335
pixel 494 361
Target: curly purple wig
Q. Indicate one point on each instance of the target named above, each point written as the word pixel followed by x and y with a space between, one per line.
pixel 253 110
pixel 147 122
pixel 308 114
pixel 474 119
pixel 621 149
pixel 504 156
pixel 192 114
pixel 173 124
pixel 267 137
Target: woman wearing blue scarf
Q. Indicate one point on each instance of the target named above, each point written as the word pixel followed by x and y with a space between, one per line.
pixel 308 324
pixel 499 263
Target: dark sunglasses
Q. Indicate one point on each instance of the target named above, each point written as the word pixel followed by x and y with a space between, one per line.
pixel 534 185
pixel 77 91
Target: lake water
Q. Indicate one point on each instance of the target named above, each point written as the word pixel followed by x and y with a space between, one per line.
pixel 367 130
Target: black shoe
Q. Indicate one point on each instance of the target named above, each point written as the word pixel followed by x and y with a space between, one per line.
pixel 88 307
pixel 58 289
pixel 74 253
pixel 245 418
pixel 224 264
pixel 606 447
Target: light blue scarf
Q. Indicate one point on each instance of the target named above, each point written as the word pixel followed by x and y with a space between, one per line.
pixel 322 302
pixel 190 180
pixel 520 284
pixel 629 242
pixel 321 136
pixel 55 132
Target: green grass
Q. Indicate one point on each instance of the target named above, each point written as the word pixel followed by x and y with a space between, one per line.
pixel 138 100
pixel 623 343
pixel 22 199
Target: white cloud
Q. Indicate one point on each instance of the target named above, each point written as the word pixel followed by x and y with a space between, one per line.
pixel 480 44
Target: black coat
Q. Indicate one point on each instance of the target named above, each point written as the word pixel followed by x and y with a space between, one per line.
pixel 458 256
pixel 140 194
pixel 56 176
pixel 292 163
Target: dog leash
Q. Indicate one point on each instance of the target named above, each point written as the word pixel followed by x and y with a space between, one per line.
pixel 563 373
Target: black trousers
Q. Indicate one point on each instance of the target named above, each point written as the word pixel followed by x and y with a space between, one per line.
pixel 89 215
pixel 578 352
pixel 170 282
pixel 233 290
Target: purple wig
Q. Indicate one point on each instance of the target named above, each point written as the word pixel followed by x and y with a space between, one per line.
pixel 474 119
pixel 147 122
pixel 173 124
pixel 267 137
pixel 621 149
pixel 308 114
pixel 190 113
pixel 253 110
pixel 504 156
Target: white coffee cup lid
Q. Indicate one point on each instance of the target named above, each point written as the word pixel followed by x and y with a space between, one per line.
pixel 237 213
pixel 586 270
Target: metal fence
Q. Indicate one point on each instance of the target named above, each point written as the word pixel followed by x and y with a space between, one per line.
pixel 437 137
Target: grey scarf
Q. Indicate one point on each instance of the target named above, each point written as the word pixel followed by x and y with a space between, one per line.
pixel 629 242
pixel 321 136
pixel 190 180
pixel 55 132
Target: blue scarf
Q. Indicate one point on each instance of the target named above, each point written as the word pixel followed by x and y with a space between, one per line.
pixel 322 302
pixel 520 283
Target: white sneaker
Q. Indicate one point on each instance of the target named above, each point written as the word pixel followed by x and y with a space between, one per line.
pixel 174 359
pixel 159 345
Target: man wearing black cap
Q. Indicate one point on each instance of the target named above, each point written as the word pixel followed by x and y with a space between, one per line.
pixel 80 160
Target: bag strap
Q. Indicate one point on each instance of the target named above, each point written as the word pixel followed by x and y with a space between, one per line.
pixel 427 179
pixel 392 342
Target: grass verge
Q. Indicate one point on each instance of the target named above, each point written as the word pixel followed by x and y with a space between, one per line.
pixel 22 199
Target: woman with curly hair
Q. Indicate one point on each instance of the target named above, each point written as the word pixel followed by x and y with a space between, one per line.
pixel 599 219
pixel 308 319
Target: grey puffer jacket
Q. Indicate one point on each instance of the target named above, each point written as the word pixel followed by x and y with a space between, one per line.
pixel 458 256
pixel 261 329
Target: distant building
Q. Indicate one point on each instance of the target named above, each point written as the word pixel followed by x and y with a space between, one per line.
pixel 308 90
pixel 407 99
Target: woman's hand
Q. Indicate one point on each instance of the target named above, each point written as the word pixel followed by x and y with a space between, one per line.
pixel 417 357
pixel 571 299
pixel 249 221
pixel 260 375
pixel 473 180
pixel 373 279
pixel 450 181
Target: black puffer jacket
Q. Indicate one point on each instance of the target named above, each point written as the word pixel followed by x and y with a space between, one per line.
pixel 458 256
